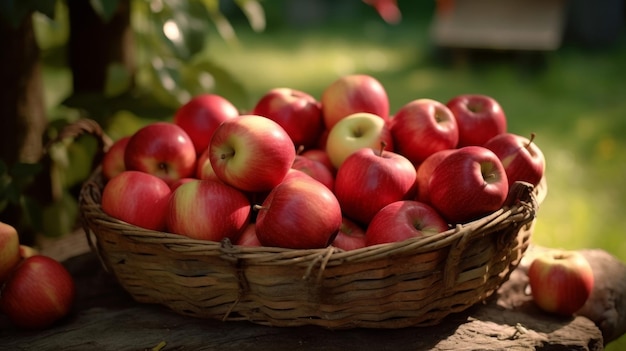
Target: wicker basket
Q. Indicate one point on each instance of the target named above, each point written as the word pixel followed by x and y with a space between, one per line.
pixel 417 282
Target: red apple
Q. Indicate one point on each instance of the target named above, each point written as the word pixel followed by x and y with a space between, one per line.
pixel 560 281
pixel 387 9
pixel 425 170
pixel 299 113
pixel 299 213
pixel 208 210
pixel 423 127
pixel 370 179
pixel 354 132
pixel 9 250
pixel 315 169
pixel 39 293
pixel 201 115
pixel 468 184
pixel 204 168
pixel 354 93
pixel 137 198
pixel 248 237
pixel 113 160
pixel 162 149
pixel 402 220
pixel 321 156
pixel 351 236
pixel 251 152
pixel 479 118
pixel 522 159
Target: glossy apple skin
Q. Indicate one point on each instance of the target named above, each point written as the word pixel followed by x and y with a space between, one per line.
pixel 208 210
pixel 522 159
pixel 204 169
pixel 367 181
pixel 321 156
pixel 251 153
pixel 163 149
pixel 299 213
pixel 425 170
pixel 137 198
pixel 9 250
pixel 561 282
pixel 113 160
pixel 354 93
pixel 479 118
pixel 39 293
pixel 299 113
pixel 201 115
pixel 423 127
pixel 351 236
pixel 354 132
pixel 401 220
pixel 468 184
pixel 315 169
pixel 248 237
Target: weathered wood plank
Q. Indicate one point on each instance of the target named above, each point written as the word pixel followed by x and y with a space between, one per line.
pixel 106 318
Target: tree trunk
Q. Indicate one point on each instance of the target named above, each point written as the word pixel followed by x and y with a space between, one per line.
pixel 22 111
pixel 94 44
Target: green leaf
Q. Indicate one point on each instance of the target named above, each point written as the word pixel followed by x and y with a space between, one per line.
pixel 105 8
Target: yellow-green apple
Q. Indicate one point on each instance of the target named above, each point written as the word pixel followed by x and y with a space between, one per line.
pixel 113 160
pixel 401 220
pixel 560 281
pixel 248 237
pixel 351 236
pixel 39 293
pixel 479 118
pixel 353 93
pixel 26 251
pixel 299 113
pixel 208 210
pixel 251 153
pixel 201 115
pixel 370 179
pixel 321 156
pixel 137 198
pixel 299 213
pixel 204 168
pixel 354 132
pixel 315 169
pixel 468 184
pixel 425 170
pixel 522 159
pixel 422 127
pixel 162 149
pixel 9 250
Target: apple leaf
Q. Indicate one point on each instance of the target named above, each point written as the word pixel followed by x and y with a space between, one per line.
pixel 254 12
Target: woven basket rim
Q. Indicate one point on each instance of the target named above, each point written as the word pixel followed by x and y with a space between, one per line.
pixel 519 210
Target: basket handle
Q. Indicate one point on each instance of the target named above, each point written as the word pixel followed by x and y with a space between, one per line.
pixel 84 126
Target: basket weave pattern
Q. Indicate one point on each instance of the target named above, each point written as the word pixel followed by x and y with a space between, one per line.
pixel 417 282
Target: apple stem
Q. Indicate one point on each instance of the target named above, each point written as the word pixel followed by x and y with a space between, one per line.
pixel 383 145
pixel 530 141
pixel 299 150
pixel 258 207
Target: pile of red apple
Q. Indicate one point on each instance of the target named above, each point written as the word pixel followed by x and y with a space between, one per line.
pixel 35 290
pixel 300 173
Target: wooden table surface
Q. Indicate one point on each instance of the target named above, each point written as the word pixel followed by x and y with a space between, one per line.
pixel 105 317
